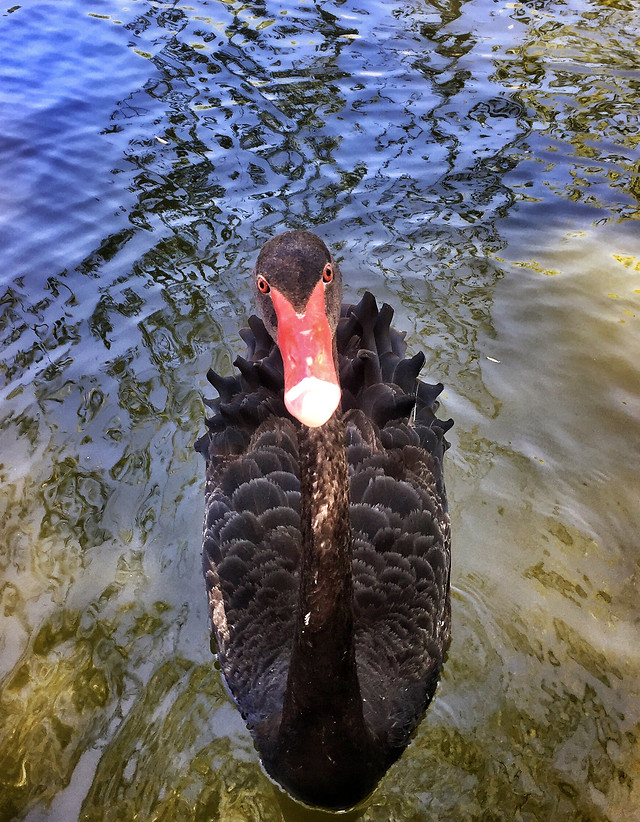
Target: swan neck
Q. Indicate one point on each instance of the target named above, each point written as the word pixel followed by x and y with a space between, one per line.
pixel 326 587
pixel 324 629
pixel 323 731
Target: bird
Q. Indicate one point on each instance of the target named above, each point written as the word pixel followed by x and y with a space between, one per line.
pixel 326 538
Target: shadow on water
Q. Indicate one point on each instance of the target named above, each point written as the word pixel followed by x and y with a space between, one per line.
pixel 295 812
pixel 444 150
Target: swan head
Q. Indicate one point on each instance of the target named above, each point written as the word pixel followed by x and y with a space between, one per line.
pixel 298 288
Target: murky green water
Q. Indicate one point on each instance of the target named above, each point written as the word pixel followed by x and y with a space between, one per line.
pixel 475 164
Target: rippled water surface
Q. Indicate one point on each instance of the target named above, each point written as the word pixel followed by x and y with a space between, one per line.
pixel 477 165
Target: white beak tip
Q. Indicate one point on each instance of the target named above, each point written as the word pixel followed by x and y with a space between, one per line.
pixel 312 401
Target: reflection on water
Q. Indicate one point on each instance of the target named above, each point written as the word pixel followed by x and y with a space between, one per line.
pixel 475 164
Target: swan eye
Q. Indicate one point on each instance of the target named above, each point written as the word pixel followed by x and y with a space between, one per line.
pixel 327 274
pixel 263 285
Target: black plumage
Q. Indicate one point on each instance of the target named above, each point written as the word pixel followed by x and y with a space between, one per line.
pixel 326 549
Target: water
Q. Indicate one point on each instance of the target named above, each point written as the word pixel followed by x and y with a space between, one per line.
pixel 475 164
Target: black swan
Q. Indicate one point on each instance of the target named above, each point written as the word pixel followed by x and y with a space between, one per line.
pixel 326 548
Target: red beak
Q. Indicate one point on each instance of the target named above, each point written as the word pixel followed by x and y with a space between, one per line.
pixel 311 387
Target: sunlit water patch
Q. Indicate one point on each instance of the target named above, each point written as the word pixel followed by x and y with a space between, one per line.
pixel 477 166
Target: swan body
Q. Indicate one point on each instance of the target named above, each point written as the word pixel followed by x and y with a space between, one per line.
pixel 326 548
